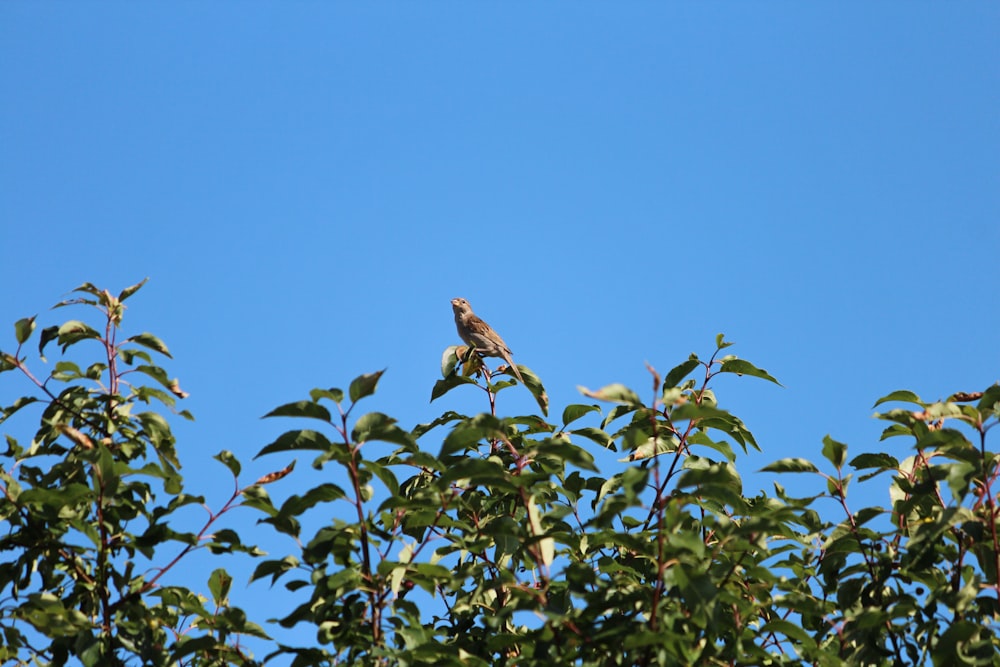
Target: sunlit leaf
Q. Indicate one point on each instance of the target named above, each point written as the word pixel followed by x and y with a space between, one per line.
pixel 901 396
pixel 790 465
pixel 23 329
pixel 613 393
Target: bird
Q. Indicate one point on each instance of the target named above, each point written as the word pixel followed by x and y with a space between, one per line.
pixel 481 336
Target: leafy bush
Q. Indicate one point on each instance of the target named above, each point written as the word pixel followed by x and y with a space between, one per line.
pixel 489 539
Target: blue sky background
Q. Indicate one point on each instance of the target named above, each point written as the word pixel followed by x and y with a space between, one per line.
pixel 308 184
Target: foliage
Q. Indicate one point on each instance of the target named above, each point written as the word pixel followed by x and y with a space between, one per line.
pixel 92 497
pixel 489 539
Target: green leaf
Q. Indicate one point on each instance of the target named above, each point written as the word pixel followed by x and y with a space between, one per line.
pixel 300 409
pixel 574 411
pixel 88 288
pixel 449 360
pixel 129 291
pixel 597 435
pixel 297 440
pixel 790 465
pixel 699 472
pixel 23 329
pixel 535 387
pixel 323 493
pixel 700 438
pixel 835 452
pixel 377 426
pixel 562 450
pixel 720 341
pixel 384 474
pixel 219 583
pixel 275 568
pixel 613 393
pixel 150 341
pixel 73 332
pixel 744 367
pixel 15 406
pixel 442 387
pixel 332 394
pixel 227 458
pixel 990 401
pixel 65 371
pixel 681 371
pixel 900 395
pixel 882 461
pixel 467 435
pixel 364 385
pixel 790 630
pixel 49 334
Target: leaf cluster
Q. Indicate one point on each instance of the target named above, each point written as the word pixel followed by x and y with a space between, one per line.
pixel 493 539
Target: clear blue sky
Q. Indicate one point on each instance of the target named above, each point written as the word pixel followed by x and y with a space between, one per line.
pixel 308 184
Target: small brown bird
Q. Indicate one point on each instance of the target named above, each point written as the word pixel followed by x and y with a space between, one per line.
pixel 481 336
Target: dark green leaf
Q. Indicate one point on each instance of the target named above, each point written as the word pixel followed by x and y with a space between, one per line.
pixel 301 409
pixel 990 400
pixel 129 291
pixel 275 568
pixel 535 387
pixel 323 493
pixel 442 387
pixel 377 426
pixel 227 458
pixel 597 435
pixel 701 438
pixel 297 440
pixel 835 452
pixel 384 474
pixel 900 395
pixel 49 334
pixel 743 367
pixel 790 630
pixel 15 406
pixel 219 583
pixel 73 332
pixel 364 385
pixel 468 435
pixel 883 461
pixel 681 371
pixel 574 411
